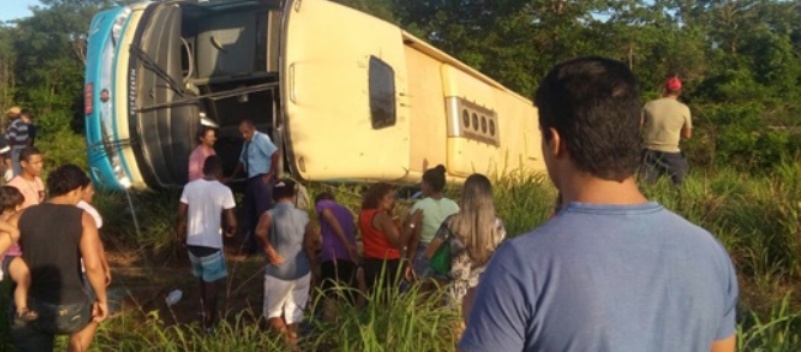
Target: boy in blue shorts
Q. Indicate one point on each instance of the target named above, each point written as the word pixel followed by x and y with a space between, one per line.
pixel 203 203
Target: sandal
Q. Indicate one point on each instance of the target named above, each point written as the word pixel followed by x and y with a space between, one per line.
pixel 26 315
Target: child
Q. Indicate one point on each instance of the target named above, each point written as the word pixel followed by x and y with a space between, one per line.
pixel 87 194
pixel 11 200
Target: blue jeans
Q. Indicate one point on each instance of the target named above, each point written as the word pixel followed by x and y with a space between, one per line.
pixel 15 166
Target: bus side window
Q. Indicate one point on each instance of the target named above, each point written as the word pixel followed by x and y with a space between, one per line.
pixel 382 94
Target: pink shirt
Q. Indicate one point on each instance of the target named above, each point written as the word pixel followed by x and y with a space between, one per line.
pixel 196 161
pixel 33 192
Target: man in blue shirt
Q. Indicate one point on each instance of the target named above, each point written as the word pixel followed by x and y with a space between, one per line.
pixel 259 159
pixel 612 271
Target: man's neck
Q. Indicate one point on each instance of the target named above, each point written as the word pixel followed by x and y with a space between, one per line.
pixel 593 190
pixel 61 201
pixel 27 177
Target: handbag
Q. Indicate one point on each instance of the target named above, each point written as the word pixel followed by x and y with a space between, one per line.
pixel 440 262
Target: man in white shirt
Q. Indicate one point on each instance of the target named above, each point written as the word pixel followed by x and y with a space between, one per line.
pixel 203 201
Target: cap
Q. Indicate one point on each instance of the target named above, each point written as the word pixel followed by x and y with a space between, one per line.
pixel 673 84
pixel 15 110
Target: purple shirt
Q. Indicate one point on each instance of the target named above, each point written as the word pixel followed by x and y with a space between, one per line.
pixel 333 248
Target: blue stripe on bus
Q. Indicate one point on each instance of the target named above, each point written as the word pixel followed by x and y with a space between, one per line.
pixel 100 164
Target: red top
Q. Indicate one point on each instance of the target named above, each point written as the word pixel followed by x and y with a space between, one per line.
pixel 376 244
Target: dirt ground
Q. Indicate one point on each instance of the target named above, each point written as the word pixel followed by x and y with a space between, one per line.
pixel 141 285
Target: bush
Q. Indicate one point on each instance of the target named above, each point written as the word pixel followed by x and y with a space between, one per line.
pixel 740 136
pixel 62 147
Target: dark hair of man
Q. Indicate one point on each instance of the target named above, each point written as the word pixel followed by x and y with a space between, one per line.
pixel 65 179
pixel 247 122
pixel 86 182
pixel 212 165
pixel 594 104
pixel 283 189
pixel 27 112
pixel 26 154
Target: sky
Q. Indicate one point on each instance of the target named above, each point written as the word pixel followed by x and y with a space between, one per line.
pixel 13 9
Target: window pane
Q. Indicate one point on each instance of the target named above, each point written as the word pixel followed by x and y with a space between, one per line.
pixel 475 121
pixel 382 93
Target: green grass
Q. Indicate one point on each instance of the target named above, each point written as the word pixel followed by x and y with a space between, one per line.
pixel 757 218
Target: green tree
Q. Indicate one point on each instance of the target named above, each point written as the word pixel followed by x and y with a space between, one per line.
pixel 7 77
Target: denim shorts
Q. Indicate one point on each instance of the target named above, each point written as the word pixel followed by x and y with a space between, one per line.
pixel 210 268
pixel 54 319
pixel 421 266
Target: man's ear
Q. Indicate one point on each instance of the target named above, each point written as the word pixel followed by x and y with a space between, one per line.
pixel 555 145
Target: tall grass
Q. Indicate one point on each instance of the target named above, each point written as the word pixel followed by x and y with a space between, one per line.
pixel 777 331
pixel 391 321
pixel 757 218
pixel 155 213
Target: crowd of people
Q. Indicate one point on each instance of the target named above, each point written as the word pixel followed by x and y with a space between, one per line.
pixel 609 271
pixel 54 256
pixel 451 242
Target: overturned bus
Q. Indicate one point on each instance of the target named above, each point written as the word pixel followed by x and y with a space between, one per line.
pixel 344 95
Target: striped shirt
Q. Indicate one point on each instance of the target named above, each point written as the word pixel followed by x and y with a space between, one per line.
pixel 18 134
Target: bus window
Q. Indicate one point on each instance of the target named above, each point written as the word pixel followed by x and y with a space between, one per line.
pixel 382 93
